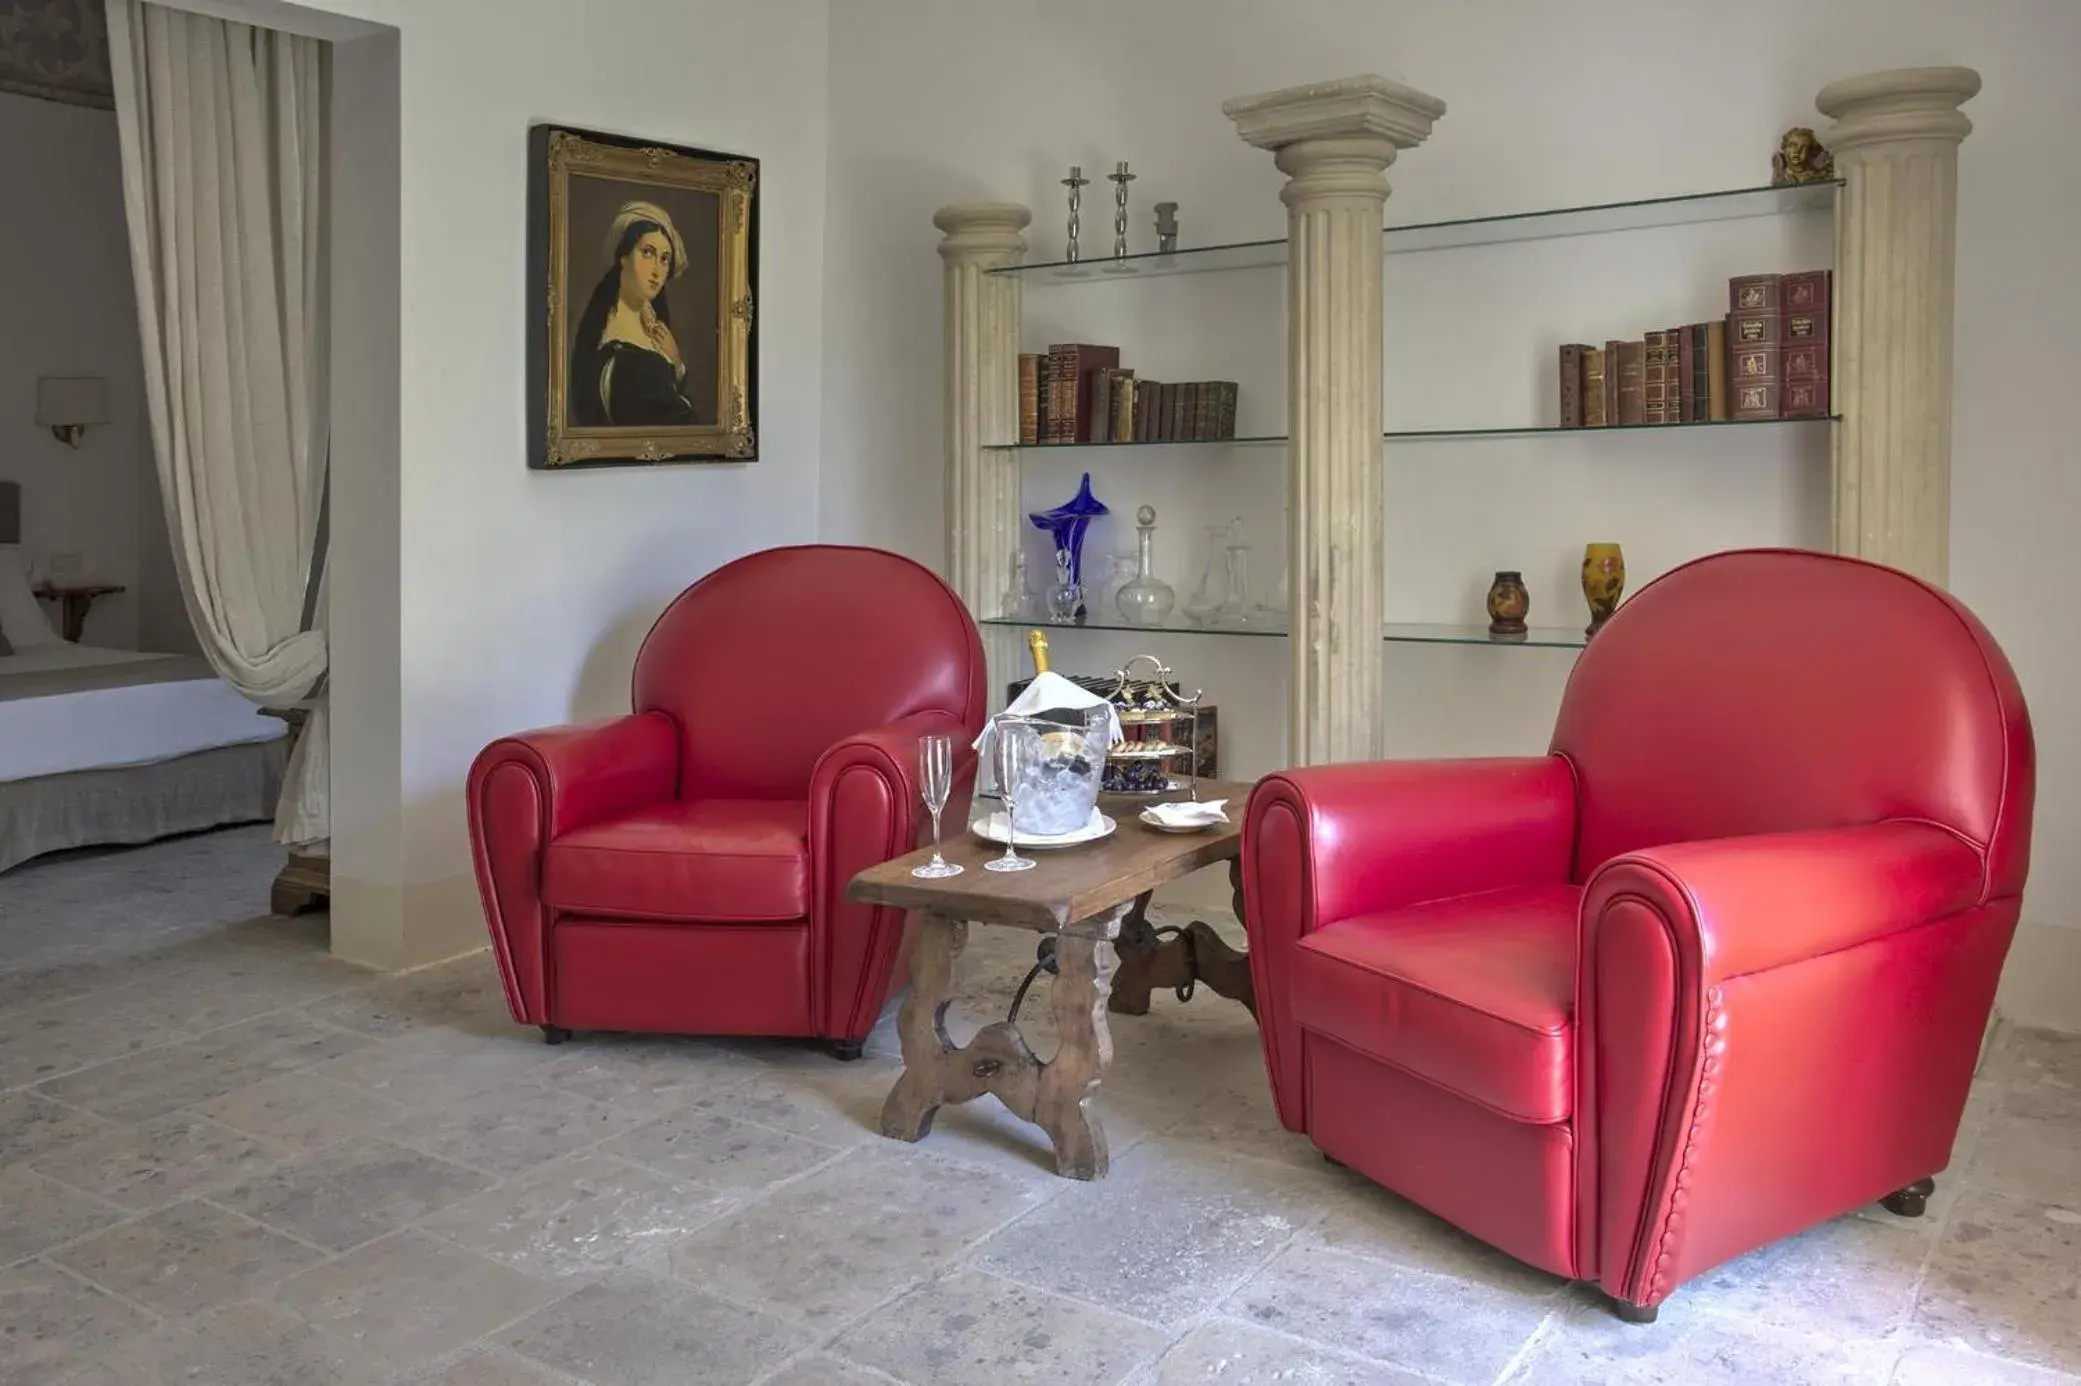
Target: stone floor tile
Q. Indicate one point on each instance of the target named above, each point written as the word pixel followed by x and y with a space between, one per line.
pixel 46 1041
pixel 701 1143
pixel 582 1216
pixel 301 1112
pixel 439 1067
pixel 2040 1075
pixel 31 1123
pixel 1847 1275
pixel 353 1192
pixel 2028 1157
pixel 481 1366
pixel 248 1343
pixel 409 1296
pixel 187 1258
pixel 1226 1352
pixel 463 993
pixel 650 1074
pixel 508 1131
pixel 832 1103
pixel 193 1071
pixel 973 1329
pixel 2006 1279
pixel 36 1212
pixel 1931 1365
pixel 158 1162
pixel 1165 1236
pixel 822 1369
pixel 1588 1346
pixel 1454 1329
pixel 641 1331
pixel 839 1241
pixel 51 1322
pixel 1364 1219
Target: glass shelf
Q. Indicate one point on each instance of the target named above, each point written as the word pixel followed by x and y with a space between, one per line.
pixel 1176 625
pixel 1439 434
pixel 1414 632
pixel 1538 637
pixel 1587 220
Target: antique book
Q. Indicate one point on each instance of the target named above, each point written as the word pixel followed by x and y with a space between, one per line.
pixel 1632 381
pixel 1756 379
pixel 1716 407
pixel 1611 379
pixel 1593 415
pixel 1072 366
pixel 1755 293
pixel 1029 396
pixel 1122 425
pixel 1572 354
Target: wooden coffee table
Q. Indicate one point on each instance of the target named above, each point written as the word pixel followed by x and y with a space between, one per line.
pixel 1089 898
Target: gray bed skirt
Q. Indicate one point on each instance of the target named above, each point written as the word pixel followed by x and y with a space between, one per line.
pixel 140 803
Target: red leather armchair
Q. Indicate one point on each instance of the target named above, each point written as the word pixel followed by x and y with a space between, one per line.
pixel 1713 970
pixel 683 869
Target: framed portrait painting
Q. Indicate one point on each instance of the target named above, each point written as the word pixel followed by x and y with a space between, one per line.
pixel 642 268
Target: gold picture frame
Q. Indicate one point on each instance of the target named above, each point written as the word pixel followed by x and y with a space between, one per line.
pixel 643 328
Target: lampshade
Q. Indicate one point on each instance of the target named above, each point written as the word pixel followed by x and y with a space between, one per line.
pixel 71 399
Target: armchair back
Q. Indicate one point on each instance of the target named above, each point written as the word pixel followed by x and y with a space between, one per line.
pixel 771 659
pixel 1764 691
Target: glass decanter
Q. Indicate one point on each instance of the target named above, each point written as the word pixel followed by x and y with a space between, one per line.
pixel 1018 602
pixel 1146 600
pixel 1065 596
pixel 1236 608
pixel 1207 598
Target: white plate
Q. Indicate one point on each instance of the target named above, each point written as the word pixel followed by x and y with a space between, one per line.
pixel 991 829
pixel 1163 827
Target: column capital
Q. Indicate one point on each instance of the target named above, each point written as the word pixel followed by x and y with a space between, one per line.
pixel 982 232
pixel 1353 109
pixel 1903 105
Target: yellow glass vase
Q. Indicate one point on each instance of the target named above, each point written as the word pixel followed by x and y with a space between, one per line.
pixel 1603 579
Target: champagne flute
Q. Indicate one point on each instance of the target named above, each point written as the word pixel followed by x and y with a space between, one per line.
pixel 1015 750
pixel 935 781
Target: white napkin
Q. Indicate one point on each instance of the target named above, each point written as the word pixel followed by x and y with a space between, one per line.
pixel 1186 813
pixel 1049 690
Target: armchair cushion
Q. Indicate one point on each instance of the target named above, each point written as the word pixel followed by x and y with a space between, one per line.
pixel 697 861
pixel 1474 993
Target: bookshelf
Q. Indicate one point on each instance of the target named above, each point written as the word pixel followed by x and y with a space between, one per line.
pixel 1895 137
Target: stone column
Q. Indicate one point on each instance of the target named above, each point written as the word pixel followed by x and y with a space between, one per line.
pixel 1895 142
pixel 981 352
pixel 1334 141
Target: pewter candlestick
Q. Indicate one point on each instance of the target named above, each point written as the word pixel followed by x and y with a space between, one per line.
pixel 1120 178
pixel 1075 183
pixel 1166 227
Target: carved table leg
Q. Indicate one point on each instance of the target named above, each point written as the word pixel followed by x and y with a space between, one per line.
pixel 1069 1081
pixel 1057 1095
pixel 1196 954
pixel 921 1026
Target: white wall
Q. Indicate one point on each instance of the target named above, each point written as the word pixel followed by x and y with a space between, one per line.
pixel 1593 101
pixel 66 300
pixel 520 597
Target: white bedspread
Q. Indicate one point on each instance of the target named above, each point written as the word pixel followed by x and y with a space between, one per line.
pixel 162 711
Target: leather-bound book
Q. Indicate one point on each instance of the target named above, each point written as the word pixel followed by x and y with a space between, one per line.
pixel 1807 306
pixel 1716 408
pixel 1122 430
pixel 1593 415
pixel 1145 395
pixel 1572 354
pixel 1756 380
pixel 1756 293
pixel 1654 377
pixel 1632 381
pixel 1029 396
pixel 1072 366
pixel 1612 353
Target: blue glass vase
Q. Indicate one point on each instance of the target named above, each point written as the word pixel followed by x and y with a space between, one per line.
pixel 1065 526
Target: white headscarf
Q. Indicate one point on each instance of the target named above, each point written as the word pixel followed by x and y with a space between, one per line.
pixel 647 211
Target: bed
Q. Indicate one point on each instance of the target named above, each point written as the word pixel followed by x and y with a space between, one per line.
pixel 102 746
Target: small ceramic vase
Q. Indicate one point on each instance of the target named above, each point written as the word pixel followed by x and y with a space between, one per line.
pixel 1603 579
pixel 1508 604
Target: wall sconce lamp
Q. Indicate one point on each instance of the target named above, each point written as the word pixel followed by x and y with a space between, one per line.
pixel 67 404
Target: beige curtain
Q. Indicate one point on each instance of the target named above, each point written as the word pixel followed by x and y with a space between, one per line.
pixel 224 148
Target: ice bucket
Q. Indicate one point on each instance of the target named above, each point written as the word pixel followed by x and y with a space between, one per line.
pixel 1059 758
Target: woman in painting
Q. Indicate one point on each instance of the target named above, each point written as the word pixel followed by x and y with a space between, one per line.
pixel 626 367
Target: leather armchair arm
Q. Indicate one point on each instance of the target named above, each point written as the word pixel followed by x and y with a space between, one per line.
pixel 523 792
pixel 1771 1029
pixel 1333 841
pixel 1329 842
pixel 864 807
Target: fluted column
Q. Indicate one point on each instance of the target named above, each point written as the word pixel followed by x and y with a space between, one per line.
pixel 1895 142
pixel 981 349
pixel 1334 141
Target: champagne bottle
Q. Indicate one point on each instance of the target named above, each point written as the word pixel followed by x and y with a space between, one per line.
pixel 1037 641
